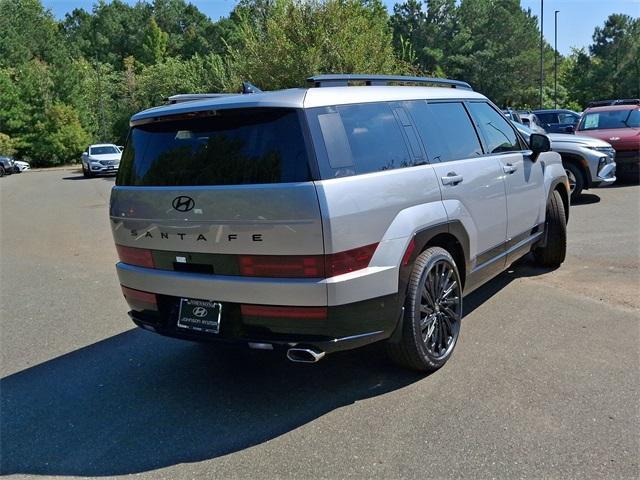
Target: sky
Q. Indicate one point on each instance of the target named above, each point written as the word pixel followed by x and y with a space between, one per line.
pixel 576 20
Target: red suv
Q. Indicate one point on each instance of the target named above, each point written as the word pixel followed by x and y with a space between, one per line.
pixel 620 126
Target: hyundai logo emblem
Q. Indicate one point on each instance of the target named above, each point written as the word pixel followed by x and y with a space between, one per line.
pixel 200 312
pixel 183 203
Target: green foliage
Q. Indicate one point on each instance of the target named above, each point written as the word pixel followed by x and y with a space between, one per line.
pixel 611 68
pixel 154 43
pixel 7 145
pixel 69 83
pixel 285 41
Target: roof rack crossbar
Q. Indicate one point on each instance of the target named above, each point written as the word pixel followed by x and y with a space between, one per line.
pixel 340 80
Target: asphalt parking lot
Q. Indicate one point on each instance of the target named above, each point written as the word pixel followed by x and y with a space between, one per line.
pixel 545 381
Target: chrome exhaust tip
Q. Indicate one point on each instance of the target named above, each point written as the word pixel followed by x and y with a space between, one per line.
pixel 304 355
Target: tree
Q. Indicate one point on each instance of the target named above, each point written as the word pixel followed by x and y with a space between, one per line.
pixel 291 40
pixel 154 43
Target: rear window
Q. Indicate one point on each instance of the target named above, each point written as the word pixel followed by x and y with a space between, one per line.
pixel 610 119
pixel 232 147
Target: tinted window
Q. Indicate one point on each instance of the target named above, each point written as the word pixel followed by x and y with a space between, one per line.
pixel 548 117
pixel 567 119
pixel 446 130
pixel 103 150
pixel 498 134
pixel 233 147
pixel 610 119
pixel 374 137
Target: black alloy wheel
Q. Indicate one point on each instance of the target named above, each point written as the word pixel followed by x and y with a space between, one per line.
pixel 433 312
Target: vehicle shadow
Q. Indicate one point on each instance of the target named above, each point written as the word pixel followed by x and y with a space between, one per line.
pixel 524 267
pixel 110 178
pixel 137 402
pixel 585 199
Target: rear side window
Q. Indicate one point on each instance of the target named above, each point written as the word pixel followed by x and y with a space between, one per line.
pixel 446 130
pixel 498 134
pixel 358 139
pixel 548 118
pixel 232 147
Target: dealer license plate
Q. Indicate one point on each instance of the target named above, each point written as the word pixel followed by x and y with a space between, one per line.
pixel 200 315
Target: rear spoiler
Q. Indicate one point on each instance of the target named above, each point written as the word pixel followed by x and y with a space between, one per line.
pixel 247 88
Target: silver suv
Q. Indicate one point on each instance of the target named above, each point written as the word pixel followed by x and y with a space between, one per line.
pixel 589 162
pixel 323 219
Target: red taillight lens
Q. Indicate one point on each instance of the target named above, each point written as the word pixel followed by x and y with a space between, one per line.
pixel 282 266
pixel 268 311
pixel 135 256
pixel 350 260
pixel 306 266
pixel 138 296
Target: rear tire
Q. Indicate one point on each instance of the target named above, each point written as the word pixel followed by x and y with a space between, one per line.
pixel 576 180
pixel 555 250
pixel 1 171
pixel 433 311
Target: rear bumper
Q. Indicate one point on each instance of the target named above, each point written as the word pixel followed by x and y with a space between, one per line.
pixel 346 326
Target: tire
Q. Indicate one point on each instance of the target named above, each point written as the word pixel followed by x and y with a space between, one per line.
pixel 86 172
pixel 1 171
pixel 576 180
pixel 554 252
pixel 431 326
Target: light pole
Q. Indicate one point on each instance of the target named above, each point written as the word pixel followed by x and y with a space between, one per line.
pixel 555 62
pixel 541 50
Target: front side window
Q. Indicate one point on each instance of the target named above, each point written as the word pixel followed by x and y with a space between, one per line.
pixel 446 130
pixel 498 134
pixel 567 119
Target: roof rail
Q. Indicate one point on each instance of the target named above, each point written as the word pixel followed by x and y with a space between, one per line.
pixel 621 101
pixel 343 80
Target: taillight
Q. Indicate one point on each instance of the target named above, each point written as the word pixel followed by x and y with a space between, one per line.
pixel 138 297
pixel 268 311
pixel 282 266
pixel 140 257
pixel 306 266
pixel 349 260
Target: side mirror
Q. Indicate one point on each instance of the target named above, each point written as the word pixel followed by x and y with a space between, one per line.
pixel 84 154
pixel 570 129
pixel 539 143
pixel 525 121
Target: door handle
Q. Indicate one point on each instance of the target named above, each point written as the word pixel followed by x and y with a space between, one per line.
pixel 508 168
pixel 451 179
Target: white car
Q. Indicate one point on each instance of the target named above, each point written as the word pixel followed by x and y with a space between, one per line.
pixel 101 158
pixel 21 166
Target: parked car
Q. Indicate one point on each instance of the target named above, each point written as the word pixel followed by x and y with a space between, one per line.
pixel 558 121
pixel 532 121
pixel 589 162
pixel 620 126
pixel 323 219
pixel 101 158
pixel 512 115
pixel 21 166
pixel 7 167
